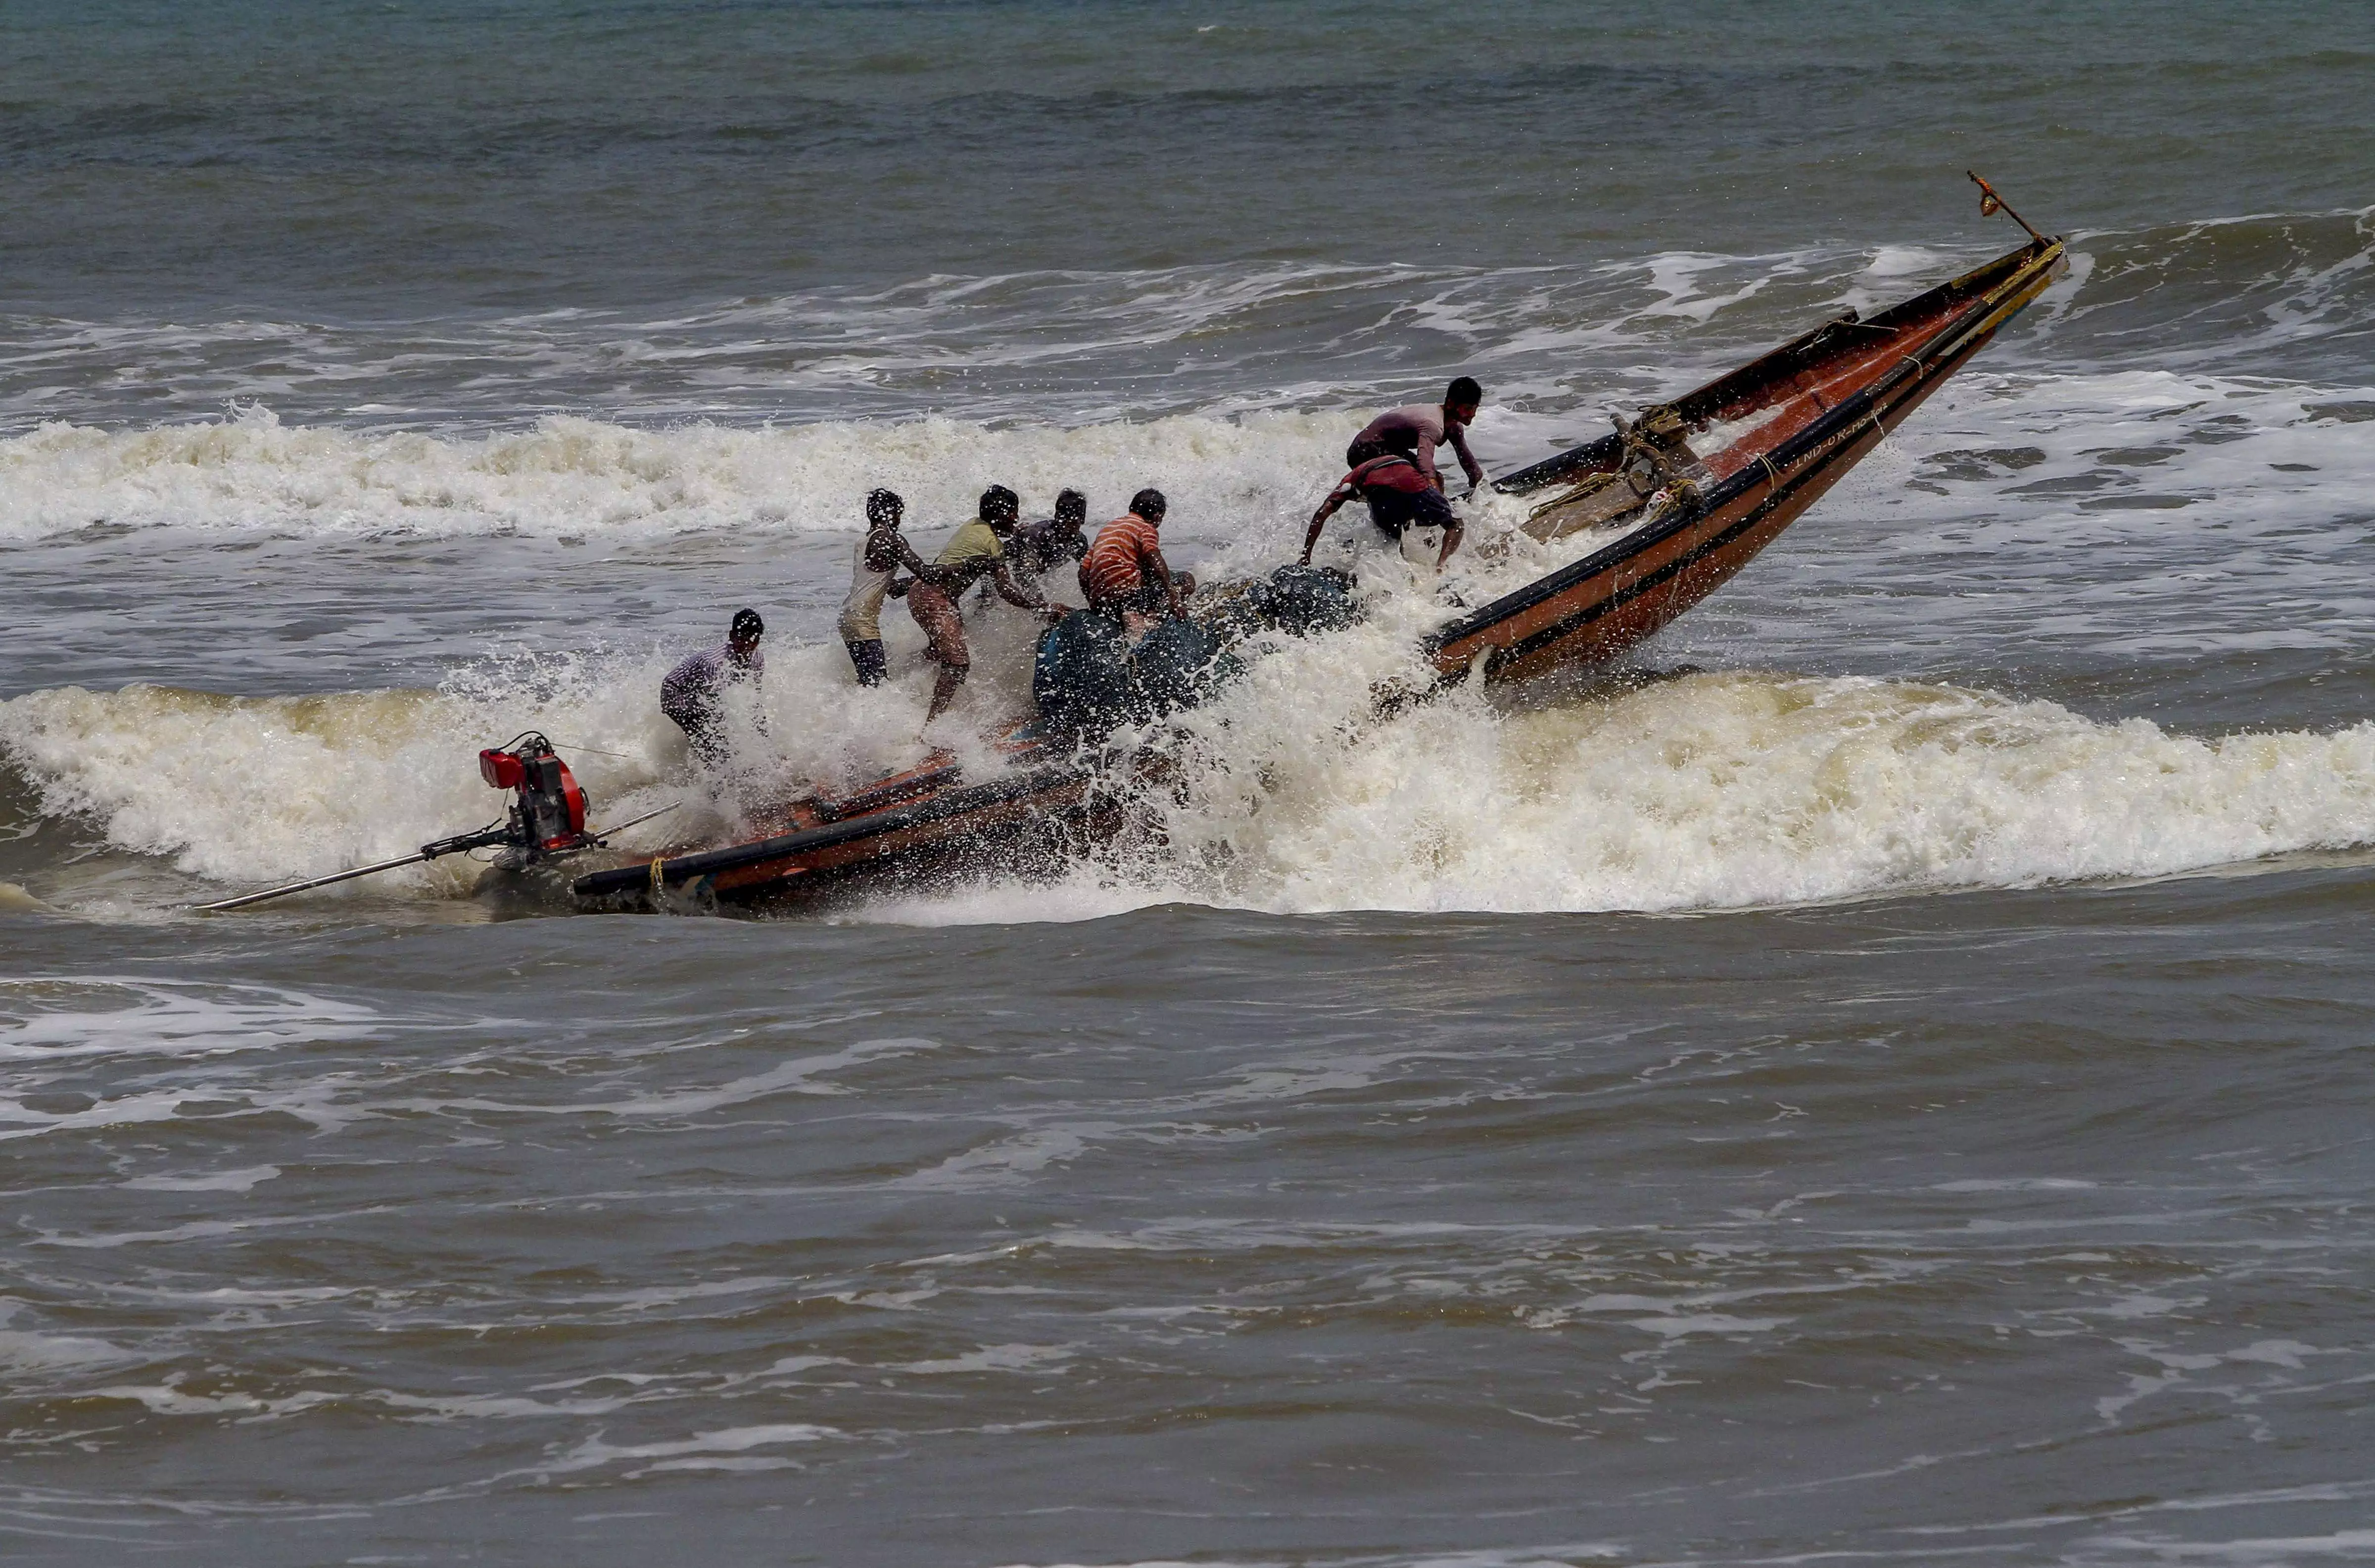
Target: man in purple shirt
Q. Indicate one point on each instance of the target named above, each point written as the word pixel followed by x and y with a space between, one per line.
pixel 1434 425
pixel 691 693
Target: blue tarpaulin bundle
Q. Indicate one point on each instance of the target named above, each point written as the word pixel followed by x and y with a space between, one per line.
pixel 1087 678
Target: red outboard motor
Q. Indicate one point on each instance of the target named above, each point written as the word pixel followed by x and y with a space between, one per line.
pixel 549 815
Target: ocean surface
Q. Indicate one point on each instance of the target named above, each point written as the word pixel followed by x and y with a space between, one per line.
pixel 1885 1081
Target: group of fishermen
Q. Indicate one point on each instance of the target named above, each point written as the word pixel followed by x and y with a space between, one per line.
pixel 1122 573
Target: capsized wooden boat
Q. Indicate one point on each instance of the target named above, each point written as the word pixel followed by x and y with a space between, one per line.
pixel 1713 477
pixel 1691 490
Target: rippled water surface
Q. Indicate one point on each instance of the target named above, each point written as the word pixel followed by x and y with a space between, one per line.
pixel 2009 1225
pixel 1880 1082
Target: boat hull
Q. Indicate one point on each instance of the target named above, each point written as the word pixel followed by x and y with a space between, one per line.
pixel 1051 811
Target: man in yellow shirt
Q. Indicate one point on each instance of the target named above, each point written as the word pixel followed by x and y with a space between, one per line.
pixel 977 551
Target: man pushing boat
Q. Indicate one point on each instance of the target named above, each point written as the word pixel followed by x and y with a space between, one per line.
pixel 1399 494
pixel 1124 571
pixel 694 691
pixel 1040 548
pixel 1430 425
pixel 1037 548
pixel 979 551
pixel 880 555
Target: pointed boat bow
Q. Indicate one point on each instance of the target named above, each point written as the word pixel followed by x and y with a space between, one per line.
pixel 1802 416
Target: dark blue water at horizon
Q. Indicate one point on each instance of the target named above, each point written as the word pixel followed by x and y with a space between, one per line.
pixel 380 160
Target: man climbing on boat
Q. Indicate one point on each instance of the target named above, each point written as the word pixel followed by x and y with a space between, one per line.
pixel 1124 571
pixel 879 554
pixel 977 551
pixel 1432 424
pixel 1399 496
pixel 694 691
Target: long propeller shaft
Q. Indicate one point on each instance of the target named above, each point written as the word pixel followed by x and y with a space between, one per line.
pixel 454 845
pixel 346 875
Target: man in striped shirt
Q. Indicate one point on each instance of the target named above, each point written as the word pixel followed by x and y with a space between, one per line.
pixel 1124 569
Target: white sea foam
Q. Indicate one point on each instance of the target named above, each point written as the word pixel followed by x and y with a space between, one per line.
pixel 252 789
pixel 1708 791
pixel 497 1407
pixel 1726 790
pixel 700 1451
pixel 23 1351
pixel 216 1181
pixel 1036 1359
pixel 2082 448
pixel 169 1398
pixel 54 1018
pixel 1005 1162
pixel 571 477
pixel 804 1075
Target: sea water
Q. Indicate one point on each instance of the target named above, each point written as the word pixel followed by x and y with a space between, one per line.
pixel 1874 1078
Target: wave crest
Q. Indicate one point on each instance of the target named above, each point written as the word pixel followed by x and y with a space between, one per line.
pixel 566 476
pixel 1708 791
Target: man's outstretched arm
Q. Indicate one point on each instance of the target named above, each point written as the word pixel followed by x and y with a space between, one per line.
pixel 913 562
pixel 1336 498
pixel 1015 594
pixel 1163 570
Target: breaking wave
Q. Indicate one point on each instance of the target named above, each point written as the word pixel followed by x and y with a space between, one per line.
pixel 570 477
pixel 2227 448
pixel 1715 791
pixel 1048 377
pixel 1707 791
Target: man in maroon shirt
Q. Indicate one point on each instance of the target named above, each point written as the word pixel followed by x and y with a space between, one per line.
pixel 1433 425
pixel 1399 494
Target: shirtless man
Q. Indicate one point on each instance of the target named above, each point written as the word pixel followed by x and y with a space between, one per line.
pixel 1434 425
pixel 979 551
pixel 1399 495
pixel 880 553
